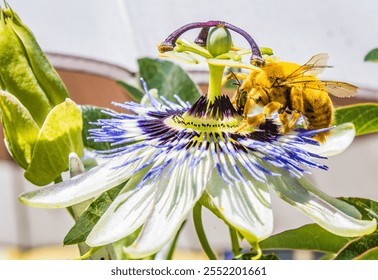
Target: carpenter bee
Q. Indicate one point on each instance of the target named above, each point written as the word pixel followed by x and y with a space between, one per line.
pixel 292 91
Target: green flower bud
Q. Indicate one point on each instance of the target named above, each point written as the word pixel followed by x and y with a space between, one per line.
pixel 219 41
pixel 41 125
pixel 25 71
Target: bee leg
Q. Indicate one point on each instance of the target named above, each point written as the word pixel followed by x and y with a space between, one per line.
pixel 256 120
pixel 296 106
pixel 294 119
pixel 288 125
pixel 285 122
pixel 321 137
pixel 268 110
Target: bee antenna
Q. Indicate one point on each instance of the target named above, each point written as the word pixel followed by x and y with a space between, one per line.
pixel 237 81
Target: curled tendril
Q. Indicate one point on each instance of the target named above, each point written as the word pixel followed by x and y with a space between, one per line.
pixel 170 42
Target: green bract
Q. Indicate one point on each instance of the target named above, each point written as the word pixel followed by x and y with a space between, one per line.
pixel 21 131
pixel 59 136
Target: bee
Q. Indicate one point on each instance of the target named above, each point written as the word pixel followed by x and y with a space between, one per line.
pixel 292 91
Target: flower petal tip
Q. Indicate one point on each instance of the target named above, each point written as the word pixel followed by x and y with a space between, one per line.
pixel 338 141
pixel 360 227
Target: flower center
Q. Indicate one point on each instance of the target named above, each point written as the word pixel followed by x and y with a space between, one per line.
pixel 207 116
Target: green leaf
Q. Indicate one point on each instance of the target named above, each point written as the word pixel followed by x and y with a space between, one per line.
pixel 269 257
pixel 366 247
pixel 371 254
pixel 358 247
pixel 363 116
pixel 92 114
pixel 309 237
pixel 372 55
pixel 59 135
pixel 20 130
pixel 169 79
pixel 134 92
pixel 89 218
pixel 368 208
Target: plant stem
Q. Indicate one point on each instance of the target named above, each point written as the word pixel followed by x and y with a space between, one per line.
pixel 173 246
pixel 236 250
pixel 258 250
pixel 197 218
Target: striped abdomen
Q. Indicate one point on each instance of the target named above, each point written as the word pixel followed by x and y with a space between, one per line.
pixel 318 109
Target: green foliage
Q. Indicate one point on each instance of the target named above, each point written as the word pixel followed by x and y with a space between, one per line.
pixel 368 208
pixel 371 254
pixel 372 55
pixel 363 116
pixel 90 115
pixel 89 218
pixel 308 237
pixel 168 78
pixel 359 247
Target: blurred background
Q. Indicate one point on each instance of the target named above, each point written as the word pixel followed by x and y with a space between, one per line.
pixel 93 43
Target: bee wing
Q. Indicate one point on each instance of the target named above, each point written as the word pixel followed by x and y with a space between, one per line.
pixel 313 67
pixel 338 89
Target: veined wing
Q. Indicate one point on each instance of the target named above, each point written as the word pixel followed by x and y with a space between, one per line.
pixel 313 67
pixel 338 89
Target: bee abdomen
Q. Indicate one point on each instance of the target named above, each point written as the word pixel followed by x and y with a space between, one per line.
pixel 318 114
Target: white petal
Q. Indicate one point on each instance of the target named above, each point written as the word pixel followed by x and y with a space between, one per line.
pixel 86 185
pixel 126 213
pixel 330 213
pixel 244 204
pixel 339 139
pixel 176 195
